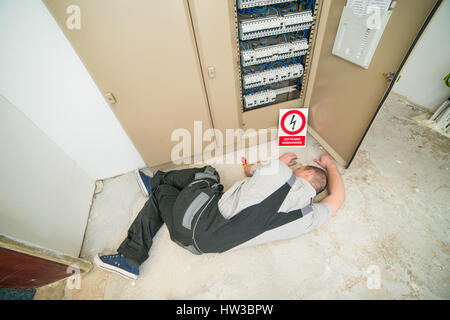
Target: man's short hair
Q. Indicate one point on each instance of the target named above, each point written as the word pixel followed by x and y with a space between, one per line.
pixel 319 181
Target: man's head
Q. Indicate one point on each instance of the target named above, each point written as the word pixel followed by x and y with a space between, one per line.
pixel 314 175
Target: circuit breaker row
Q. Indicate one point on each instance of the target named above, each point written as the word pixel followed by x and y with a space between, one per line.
pixel 264 27
pixel 274 52
pixel 265 97
pixel 242 4
pixel 271 76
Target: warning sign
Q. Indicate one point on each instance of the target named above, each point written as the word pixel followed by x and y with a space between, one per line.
pixel 292 127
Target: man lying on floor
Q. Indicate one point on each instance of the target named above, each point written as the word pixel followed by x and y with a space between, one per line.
pixel 273 203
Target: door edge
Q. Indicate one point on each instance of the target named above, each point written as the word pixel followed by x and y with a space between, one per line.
pixel 12 244
pixel 327 147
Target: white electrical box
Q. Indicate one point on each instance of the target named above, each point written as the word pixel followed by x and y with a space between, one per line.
pixel 360 29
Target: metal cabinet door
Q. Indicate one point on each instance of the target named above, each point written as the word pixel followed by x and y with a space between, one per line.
pixel 344 98
pixel 215 35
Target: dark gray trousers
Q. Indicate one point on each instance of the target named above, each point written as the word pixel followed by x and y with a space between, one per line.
pixel 166 186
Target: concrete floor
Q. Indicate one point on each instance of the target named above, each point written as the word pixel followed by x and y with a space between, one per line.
pixel 395 221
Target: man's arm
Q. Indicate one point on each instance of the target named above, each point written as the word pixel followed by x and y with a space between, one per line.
pixel 336 190
pixel 288 158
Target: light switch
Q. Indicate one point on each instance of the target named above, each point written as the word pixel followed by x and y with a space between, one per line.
pixel 110 97
pixel 211 72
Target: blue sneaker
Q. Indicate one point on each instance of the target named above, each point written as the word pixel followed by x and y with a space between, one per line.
pixel 144 182
pixel 117 263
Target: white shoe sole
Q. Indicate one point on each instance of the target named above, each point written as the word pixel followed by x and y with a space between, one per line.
pixel 128 275
pixel 141 183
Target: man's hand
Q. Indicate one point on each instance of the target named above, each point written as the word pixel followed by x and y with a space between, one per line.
pixel 289 158
pixel 325 161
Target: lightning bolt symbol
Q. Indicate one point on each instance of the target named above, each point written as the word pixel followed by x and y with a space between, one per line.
pixel 293 122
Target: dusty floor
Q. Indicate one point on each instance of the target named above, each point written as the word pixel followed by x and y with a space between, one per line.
pixel 395 221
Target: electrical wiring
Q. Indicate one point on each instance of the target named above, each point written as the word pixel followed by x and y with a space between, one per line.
pixel 276 63
pixel 274 9
pixel 246 70
pixel 260 9
pixel 305 2
pixel 246 47
pixel 266 65
pixel 286 5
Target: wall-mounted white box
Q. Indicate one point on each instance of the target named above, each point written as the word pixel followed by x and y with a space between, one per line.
pixel 358 36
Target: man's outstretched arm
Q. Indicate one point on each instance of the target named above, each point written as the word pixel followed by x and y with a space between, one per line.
pixel 288 158
pixel 336 190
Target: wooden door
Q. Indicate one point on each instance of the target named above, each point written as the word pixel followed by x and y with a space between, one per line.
pixel 344 98
pixel 144 54
pixel 25 266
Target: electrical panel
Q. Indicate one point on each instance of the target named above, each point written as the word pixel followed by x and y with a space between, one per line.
pixel 273 40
